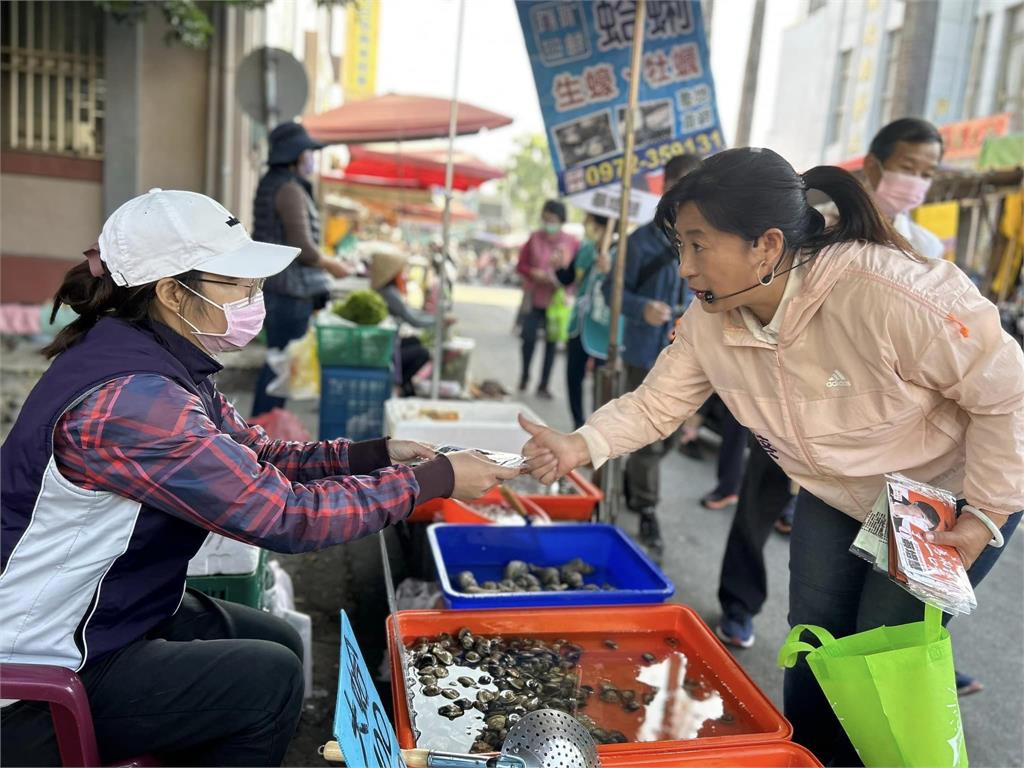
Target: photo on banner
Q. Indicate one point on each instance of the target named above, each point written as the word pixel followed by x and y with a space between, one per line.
pixel 580 55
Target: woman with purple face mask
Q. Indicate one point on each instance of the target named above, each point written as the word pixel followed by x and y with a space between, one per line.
pixel 898 168
pixel 125 457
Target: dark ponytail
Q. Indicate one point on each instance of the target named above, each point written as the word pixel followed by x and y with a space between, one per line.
pixel 859 217
pixel 748 191
pixel 93 298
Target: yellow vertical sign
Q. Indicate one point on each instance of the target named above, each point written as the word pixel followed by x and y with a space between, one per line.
pixel 359 70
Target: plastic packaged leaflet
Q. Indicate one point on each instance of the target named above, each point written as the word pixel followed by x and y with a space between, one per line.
pixel 892 539
pixel 507 460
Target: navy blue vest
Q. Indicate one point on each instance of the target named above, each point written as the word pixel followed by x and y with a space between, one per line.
pixel 144 585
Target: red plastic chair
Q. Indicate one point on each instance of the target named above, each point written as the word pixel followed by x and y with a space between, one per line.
pixel 63 690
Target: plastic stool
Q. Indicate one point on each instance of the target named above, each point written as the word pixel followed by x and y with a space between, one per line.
pixel 63 690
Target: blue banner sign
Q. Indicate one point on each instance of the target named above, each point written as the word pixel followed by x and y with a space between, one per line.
pixel 580 53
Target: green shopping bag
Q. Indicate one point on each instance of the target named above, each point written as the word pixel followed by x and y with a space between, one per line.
pixel 892 688
pixel 559 313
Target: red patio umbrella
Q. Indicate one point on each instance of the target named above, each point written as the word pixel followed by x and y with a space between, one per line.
pixel 434 214
pixel 422 168
pixel 397 117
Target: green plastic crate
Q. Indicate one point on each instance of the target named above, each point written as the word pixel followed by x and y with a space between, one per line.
pixel 359 346
pixel 244 589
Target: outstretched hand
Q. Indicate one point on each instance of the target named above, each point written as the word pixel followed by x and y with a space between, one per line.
pixel 551 455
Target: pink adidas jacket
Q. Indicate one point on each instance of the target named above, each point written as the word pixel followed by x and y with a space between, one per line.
pixel 884 364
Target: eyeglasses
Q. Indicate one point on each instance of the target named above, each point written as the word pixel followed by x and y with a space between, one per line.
pixel 255 287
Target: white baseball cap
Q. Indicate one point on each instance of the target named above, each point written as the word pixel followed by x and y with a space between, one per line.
pixel 167 232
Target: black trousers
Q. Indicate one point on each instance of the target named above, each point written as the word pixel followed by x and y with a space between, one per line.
pixel 743 584
pixel 575 374
pixel 216 684
pixel 535 321
pixel 643 467
pixel 414 356
pixel 730 455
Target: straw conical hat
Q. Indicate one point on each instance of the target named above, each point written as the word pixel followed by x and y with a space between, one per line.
pixel 386 265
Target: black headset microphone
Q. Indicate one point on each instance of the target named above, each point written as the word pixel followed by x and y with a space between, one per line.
pixel 709 298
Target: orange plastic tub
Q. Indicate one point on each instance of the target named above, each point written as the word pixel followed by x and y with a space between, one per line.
pixel 686 653
pixel 779 754
pixel 452 511
pixel 574 506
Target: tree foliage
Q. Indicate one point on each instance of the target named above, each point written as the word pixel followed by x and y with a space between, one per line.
pixel 530 178
pixel 189 20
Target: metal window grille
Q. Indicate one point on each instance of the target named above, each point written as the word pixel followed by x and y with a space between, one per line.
pixel 1011 79
pixel 52 86
pixel 840 95
pixel 893 42
pixel 972 101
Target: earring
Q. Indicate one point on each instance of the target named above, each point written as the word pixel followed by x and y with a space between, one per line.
pixel 767 279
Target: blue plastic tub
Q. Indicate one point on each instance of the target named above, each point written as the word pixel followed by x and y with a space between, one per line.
pixel 486 549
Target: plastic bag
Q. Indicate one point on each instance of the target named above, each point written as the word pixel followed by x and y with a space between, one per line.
pixel 892 688
pixel 296 369
pixel 280 424
pixel 559 312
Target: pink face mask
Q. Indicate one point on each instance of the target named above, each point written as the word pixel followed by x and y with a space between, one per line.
pixel 245 319
pixel 898 193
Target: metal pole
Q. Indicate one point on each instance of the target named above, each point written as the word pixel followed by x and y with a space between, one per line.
pixel 746 117
pixel 270 109
pixel 613 380
pixel 446 225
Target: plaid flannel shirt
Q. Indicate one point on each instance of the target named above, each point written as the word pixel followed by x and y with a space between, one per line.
pixel 147 439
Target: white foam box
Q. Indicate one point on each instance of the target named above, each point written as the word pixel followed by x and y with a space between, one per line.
pixel 221 556
pixel 480 424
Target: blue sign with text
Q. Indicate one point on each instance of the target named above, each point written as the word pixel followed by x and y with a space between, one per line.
pixel 580 53
pixel 361 728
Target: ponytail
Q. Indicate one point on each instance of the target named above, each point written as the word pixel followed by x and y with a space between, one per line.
pixel 859 218
pixel 94 298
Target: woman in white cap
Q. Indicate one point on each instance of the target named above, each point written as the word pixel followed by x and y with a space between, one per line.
pixel 124 458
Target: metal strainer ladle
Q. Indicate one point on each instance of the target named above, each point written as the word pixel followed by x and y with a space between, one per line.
pixel 545 738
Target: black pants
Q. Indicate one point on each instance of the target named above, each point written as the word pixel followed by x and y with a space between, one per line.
pixel 743 584
pixel 216 684
pixel 414 356
pixel 834 589
pixel 730 455
pixel 534 322
pixel 643 467
pixel 575 375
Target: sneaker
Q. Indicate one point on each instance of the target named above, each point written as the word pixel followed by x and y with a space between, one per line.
pixel 716 501
pixel 737 632
pixel 523 384
pixel 650 533
pixel 544 394
pixel 966 685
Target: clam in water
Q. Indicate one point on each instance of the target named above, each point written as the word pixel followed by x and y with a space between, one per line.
pixel 469 689
pixel 519 576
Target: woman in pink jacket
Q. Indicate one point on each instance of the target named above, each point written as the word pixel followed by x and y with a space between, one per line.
pixel 848 356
